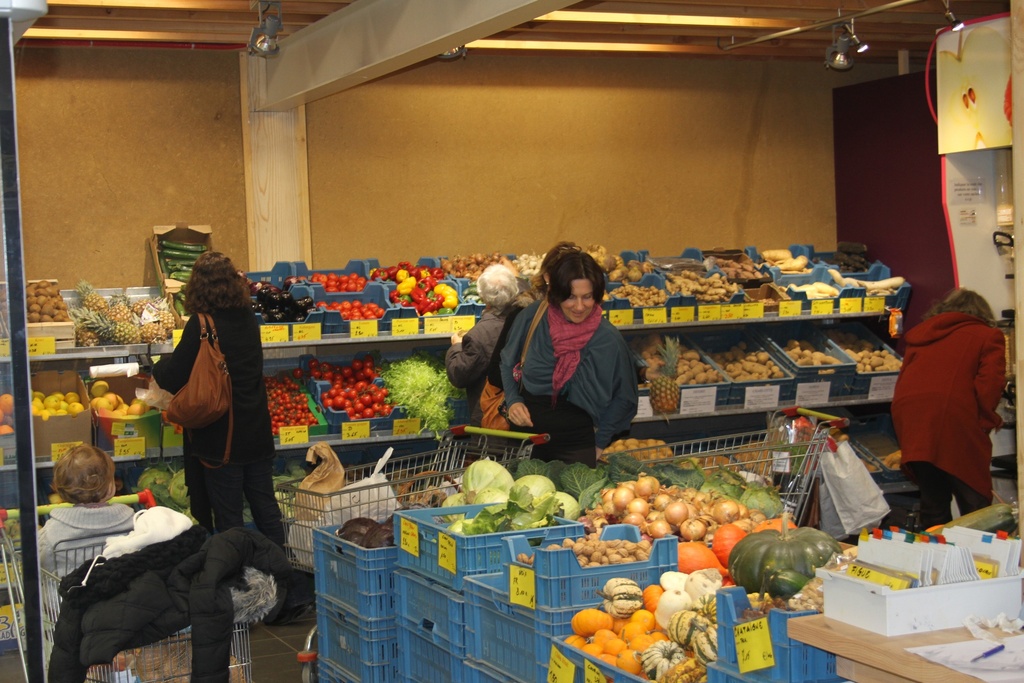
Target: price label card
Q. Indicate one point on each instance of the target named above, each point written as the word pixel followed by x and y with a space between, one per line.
pixel 823 306
pixel 273 334
pixel 753 645
pixel 560 669
pixel 409 536
pixel 850 304
pixel 808 393
pixel 653 316
pixel 405 426
pixel 781 461
pixel 1 457
pixel 591 674
pixel 358 329
pixel 682 314
pixel 753 310
pixel 134 447
pixel 294 435
pixel 57 450
pixel 522 586
pixel 357 429
pixel 881 388
pixel 175 337
pixel 761 398
pixel 789 309
pixel 710 312
pixel 5 347
pixel 463 323
pixel 118 428
pixel 446 558
pixel 987 569
pixel 42 346
pixel 874 304
pixel 437 325
pixel 403 327
pixel 732 311
pixel 859 571
pixel 621 316
pixel 698 401
pixel 306 332
pixel 643 407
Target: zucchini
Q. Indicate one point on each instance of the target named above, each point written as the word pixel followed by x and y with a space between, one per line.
pixel 178 254
pixel 177 264
pixel 179 306
pixel 184 246
pixel 180 275
pixel 997 517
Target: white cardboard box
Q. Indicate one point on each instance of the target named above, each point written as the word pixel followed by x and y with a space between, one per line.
pixel 915 610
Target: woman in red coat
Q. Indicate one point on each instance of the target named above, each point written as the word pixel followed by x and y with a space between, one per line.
pixel 944 405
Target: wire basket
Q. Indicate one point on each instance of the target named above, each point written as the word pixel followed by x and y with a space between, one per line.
pixel 421 480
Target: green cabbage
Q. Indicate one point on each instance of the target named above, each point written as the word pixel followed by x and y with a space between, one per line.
pixel 178 490
pixel 486 474
pixel 157 474
pixel 490 496
pixel 570 506
pixel 454 499
pixel 763 498
pixel 538 485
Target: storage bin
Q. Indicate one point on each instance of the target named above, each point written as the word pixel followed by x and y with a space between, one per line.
pixel 424 661
pixel 864 384
pixel 478 672
pixel 361 580
pixel 721 341
pixel 612 674
pixel 434 611
pixel 363 649
pixel 839 376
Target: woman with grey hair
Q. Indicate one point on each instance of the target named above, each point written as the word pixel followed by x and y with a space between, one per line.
pixel 470 353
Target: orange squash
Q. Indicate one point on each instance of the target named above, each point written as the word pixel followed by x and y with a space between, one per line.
pixel 629 661
pixel 575 640
pixel 589 621
pixel 651 596
pixel 775 524
pixel 726 536
pixel 696 555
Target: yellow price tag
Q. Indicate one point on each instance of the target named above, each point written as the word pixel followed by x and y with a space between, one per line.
pixel 851 304
pixel 822 306
pixel 362 328
pixel 753 645
pixel 621 316
pixel 753 310
pixel 986 568
pixel 5 347
pixel 357 429
pixel 437 325
pixel 273 334
pixel 409 537
pixel 42 346
pixel 463 322
pixel 405 426
pixel 135 447
pixel 57 450
pixel 1 457
pixel 732 311
pixel 175 337
pixel 403 327
pixel 789 309
pixel 294 434
pixel 682 314
pixel 859 571
pixel 874 304
pixel 653 316
pixel 446 558
pixel 522 586
pixel 591 674
pixel 560 669
pixel 710 312
pixel 306 332
pixel 117 428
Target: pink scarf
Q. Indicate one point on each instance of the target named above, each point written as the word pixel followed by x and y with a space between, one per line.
pixel 568 339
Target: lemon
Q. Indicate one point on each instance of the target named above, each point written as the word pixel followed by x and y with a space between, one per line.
pixel 51 402
pixel 99 388
pixel 75 408
pixel 38 395
pixel 44 416
pixel 61 412
pixel 72 397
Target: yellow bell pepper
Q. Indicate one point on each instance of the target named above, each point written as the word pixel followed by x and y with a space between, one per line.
pixel 402 275
pixel 406 285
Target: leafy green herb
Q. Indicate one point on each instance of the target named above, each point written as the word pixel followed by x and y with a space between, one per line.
pixel 419 384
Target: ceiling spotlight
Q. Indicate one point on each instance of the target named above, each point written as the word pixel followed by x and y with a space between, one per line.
pixel 954 23
pixel 263 40
pixel 857 43
pixel 837 54
pixel 454 53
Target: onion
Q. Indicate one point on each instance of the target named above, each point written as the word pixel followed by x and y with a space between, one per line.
pixel 631 485
pixel 608 508
pixel 654 516
pixel 676 513
pixel 725 510
pixel 661 500
pixel 621 497
pixel 756 516
pixel 659 529
pixel 692 530
pixel 635 519
pixel 646 487
pixel 606 495
pixel 639 506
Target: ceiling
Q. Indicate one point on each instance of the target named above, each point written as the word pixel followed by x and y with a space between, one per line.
pixel 672 28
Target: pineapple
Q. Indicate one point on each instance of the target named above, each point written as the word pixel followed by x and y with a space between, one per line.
pixel 89 298
pixel 86 337
pixel 664 390
pixel 110 331
pixel 120 310
pixel 152 333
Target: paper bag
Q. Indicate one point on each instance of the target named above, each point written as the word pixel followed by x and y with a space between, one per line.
pixel 371 497
pixel 853 499
pixel 317 502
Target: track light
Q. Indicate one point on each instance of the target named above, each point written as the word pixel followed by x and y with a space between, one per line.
pixel 857 43
pixel 837 54
pixel 263 40
pixel 954 23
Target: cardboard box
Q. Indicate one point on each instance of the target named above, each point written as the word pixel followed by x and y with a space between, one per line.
pixel 110 428
pixel 179 232
pixel 60 429
pixel 914 610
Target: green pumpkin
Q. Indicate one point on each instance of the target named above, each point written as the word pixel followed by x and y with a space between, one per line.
pixel 756 558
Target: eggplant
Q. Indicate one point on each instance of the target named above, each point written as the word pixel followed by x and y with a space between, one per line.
pixel 355 529
pixel 291 280
pixel 257 307
pixel 305 304
pixel 255 287
pixel 274 316
pixel 299 317
pixel 268 294
pixel 381 536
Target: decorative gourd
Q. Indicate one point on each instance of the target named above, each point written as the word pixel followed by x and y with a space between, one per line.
pixel 684 625
pixel 589 621
pixel 760 554
pixel 726 536
pixel 671 601
pixel 696 555
pixel 703 582
pixel 622 597
pixel 651 596
pixel 673 581
pixel 688 671
pixel 660 657
pixel 708 606
pixel 705 645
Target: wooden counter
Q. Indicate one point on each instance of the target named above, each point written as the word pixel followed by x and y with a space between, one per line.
pixel 867 657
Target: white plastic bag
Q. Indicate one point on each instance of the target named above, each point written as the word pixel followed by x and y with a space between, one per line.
pixel 154 396
pixel 370 497
pixel 852 495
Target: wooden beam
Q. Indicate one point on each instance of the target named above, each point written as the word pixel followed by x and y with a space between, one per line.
pixel 372 38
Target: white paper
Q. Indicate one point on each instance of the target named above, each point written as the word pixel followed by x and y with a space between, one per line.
pixel 698 400
pixel 881 388
pixel 643 407
pixel 810 393
pixel 761 398
pixel 1003 667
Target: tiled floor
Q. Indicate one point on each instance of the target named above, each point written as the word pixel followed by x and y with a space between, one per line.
pixel 273 653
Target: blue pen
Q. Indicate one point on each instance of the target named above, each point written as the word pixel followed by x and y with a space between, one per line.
pixel 989 653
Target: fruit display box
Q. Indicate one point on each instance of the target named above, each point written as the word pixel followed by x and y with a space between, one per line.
pixel 361 580
pixel 839 376
pixel 742 392
pixel 109 427
pixel 179 232
pixel 51 437
pixel 610 672
pixel 423 660
pixel 866 384
pixel 374 292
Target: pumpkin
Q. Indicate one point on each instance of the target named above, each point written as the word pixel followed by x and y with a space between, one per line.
pixel 687 671
pixel 705 645
pixel 726 536
pixel 703 582
pixel 589 621
pixel 708 606
pixel 671 601
pixel 695 555
pixel 774 524
pixel 685 625
pixel 660 657
pixel 629 661
pixel 651 596
pixel 785 583
pixel 760 554
pixel 622 597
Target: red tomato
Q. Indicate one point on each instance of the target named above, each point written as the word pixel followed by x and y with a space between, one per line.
pixel 367 412
pixel 357 365
pixel 386 410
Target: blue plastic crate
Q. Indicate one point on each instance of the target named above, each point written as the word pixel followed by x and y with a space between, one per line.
pixel 795 662
pixel 478 672
pixel 721 341
pixel 481 554
pixel 278 272
pixel 839 376
pixel 352 643
pixel 361 580
pixel 560 582
pixel 336 418
pixel 861 381
pixel 507 637
pixel 423 661
pixel 436 611
pixel 329 672
pixel 612 674
pixel 374 292
pixel 875 437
